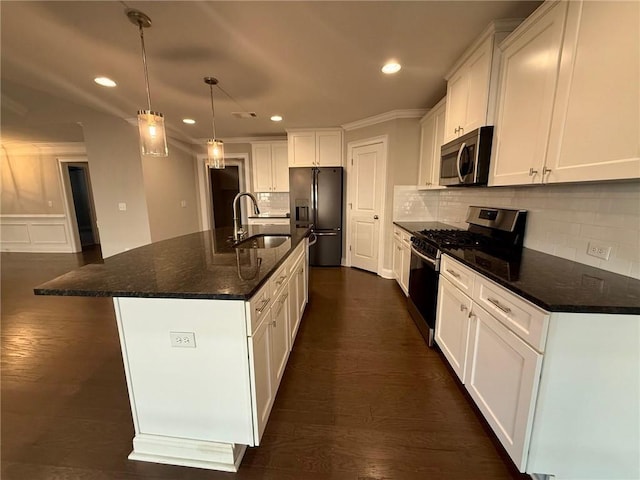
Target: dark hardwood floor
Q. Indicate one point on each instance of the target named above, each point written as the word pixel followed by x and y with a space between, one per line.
pixel 362 397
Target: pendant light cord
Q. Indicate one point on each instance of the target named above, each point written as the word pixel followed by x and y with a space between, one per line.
pixel 144 62
pixel 213 114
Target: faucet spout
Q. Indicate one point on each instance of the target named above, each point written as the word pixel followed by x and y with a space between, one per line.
pixel 237 228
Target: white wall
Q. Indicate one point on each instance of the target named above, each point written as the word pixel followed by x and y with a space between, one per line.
pixel 116 176
pixel 171 192
pixel 562 219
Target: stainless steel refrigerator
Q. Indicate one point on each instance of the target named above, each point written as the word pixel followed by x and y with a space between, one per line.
pixel 316 199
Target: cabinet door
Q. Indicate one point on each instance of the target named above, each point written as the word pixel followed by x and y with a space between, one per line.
pixel 329 148
pixel 502 377
pixel 457 96
pixel 452 325
pixel 302 149
pixel 262 388
pixel 280 336
pixel 440 120
pixel 301 275
pixel 280 167
pixel 427 149
pixel 397 261
pixel 406 264
pixel 478 78
pixel 528 75
pixel 596 121
pixel 262 175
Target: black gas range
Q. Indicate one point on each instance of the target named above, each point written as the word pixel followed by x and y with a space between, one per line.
pixel 493 239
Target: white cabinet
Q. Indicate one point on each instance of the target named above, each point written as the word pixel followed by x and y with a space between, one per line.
pixel 262 385
pixel 280 338
pixel 493 340
pixel 297 297
pixel 472 83
pixel 431 140
pixel 502 377
pixel 401 257
pixel 320 148
pixel 569 94
pixel 452 325
pixel 270 167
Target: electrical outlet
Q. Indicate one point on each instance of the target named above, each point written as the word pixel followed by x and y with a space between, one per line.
pixel 183 203
pixel 599 251
pixel 122 206
pixel 183 339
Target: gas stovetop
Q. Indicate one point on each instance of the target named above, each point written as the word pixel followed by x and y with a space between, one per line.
pixel 455 238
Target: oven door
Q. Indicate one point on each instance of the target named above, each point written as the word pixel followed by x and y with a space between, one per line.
pixel 423 291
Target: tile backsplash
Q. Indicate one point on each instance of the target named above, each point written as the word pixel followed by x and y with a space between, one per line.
pixel 269 202
pixel 562 219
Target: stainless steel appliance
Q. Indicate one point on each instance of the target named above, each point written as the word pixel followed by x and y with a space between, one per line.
pixel 316 200
pixel 493 239
pixel 465 160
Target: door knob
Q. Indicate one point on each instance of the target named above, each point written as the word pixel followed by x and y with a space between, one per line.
pixel 375 217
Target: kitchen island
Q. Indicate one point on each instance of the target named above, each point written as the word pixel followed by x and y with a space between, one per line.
pixel 205 331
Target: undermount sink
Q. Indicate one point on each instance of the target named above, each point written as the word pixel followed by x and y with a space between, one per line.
pixel 263 241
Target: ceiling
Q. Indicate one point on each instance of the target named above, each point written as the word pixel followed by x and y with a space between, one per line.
pixel 315 63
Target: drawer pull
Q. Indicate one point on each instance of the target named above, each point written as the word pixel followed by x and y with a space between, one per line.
pixel 498 305
pixel 263 305
pixel 463 307
pixel 281 279
pixel 456 275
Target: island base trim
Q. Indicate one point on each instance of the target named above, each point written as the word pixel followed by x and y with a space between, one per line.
pixel 224 457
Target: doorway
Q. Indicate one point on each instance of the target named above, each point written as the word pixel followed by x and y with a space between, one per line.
pixel 366 204
pixel 225 185
pixel 80 208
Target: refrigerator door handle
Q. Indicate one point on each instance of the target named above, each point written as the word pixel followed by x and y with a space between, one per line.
pixel 314 196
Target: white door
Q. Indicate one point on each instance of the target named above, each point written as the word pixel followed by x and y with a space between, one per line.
pixel 367 184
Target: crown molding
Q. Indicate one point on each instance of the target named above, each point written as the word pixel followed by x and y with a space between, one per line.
pixel 37 148
pixel 385 117
pixel 273 138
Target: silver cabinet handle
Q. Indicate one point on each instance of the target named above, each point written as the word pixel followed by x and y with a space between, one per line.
pixel 281 279
pixel 498 305
pixel 532 172
pixel 262 306
pixel 456 275
pixel 463 307
pixel 375 217
pixel 545 170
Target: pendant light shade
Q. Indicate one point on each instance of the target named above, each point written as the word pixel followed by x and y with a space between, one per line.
pixel 153 140
pixel 215 147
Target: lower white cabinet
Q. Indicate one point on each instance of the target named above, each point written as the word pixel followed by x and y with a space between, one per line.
pixel 502 377
pixel 262 384
pixel 297 297
pixel 280 339
pixel 452 325
pixel 401 257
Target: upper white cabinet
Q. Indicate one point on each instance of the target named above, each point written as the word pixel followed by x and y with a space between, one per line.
pixel 472 83
pixel 315 148
pixel 569 94
pixel 270 167
pixel 431 140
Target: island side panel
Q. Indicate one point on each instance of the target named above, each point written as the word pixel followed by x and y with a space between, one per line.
pixel 197 393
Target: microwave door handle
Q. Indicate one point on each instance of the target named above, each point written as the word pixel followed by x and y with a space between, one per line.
pixel 462 147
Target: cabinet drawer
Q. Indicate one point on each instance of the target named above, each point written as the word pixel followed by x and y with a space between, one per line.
pixel 524 319
pixel 279 279
pixel 257 308
pixel 296 257
pixel 461 276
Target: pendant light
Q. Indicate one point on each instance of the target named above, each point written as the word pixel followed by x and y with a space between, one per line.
pixel 215 147
pixel 153 141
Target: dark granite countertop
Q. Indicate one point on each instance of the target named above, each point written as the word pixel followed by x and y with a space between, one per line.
pixel 417 226
pixel 556 284
pixel 199 265
pixel 553 283
pixel 270 215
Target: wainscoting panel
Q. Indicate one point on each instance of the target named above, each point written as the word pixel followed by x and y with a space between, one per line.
pixel 35 233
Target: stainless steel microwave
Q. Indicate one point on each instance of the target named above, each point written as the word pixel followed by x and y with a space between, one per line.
pixel 465 160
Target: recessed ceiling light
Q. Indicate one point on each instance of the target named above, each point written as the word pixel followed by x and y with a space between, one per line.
pixel 188 121
pixel 391 67
pixel 276 118
pixel 104 81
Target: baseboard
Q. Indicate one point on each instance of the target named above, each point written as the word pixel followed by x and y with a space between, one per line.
pixel 224 457
pixel 386 273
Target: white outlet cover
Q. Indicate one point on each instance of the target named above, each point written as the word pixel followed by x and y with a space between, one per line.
pixel 122 206
pixel 183 339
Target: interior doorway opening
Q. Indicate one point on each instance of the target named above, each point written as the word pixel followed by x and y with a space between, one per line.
pixel 225 185
pixel 80 208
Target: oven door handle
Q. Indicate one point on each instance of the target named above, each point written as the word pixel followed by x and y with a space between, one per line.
pixel 462 147
pixel 423 257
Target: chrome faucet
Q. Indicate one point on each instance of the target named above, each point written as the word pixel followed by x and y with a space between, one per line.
pixel 238 232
